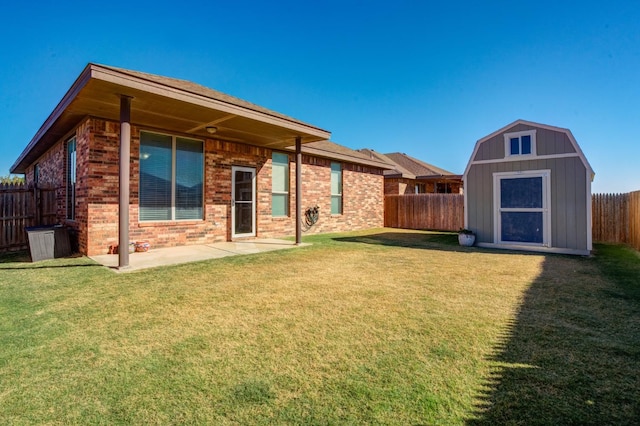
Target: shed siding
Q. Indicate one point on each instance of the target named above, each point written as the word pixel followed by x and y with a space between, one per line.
pixel 568 198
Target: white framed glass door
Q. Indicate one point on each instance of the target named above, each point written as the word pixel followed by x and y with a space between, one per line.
pixel 522 206
pixel 243 205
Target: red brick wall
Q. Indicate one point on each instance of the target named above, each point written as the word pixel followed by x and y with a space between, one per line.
pixel 52 175
pixel 97 192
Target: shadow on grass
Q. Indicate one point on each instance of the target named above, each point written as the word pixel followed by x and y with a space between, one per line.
pixel 432 240
pixel 20 260
pixel 572 354
pixel 401 239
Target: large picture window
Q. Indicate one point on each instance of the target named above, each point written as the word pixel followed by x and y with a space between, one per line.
pixel 71 178
pixel 336 188
pixel 171 178
pixel 279 184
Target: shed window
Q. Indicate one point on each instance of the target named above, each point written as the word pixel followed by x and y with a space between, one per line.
pixel 336 188
pixel 171 178
pixel 520 143
pixel 279 184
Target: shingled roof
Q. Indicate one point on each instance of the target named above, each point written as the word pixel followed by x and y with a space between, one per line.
pixel 406 166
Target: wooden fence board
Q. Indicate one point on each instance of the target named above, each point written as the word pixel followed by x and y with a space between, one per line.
pixel 21 207
pixel 443 212
pixel 610 213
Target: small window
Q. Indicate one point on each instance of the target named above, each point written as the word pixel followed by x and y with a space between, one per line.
pixel 36 175
pixel 443 188
pixel 420 188
pixel 279 184
pixel 336 188
pixel 71 178
pixel 520 143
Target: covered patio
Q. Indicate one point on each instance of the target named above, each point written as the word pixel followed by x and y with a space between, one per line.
pixel 193 253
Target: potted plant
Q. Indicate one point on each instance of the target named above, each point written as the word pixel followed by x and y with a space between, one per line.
pixel 466 237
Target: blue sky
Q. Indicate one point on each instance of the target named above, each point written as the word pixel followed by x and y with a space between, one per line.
pixel 425 78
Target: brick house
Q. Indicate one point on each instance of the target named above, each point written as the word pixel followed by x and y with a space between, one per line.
pixel 409 175
pixel 190 165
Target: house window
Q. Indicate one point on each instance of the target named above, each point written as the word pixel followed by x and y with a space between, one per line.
pixel 520 143
pixel 420 188
pixel 279 184
pixel 171 178
pixel 71 178
pixel 443 188
pixel 523 207
pixel 36 175
pixel 336 188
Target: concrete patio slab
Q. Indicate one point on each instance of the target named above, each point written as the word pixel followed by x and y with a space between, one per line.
pixel 195 253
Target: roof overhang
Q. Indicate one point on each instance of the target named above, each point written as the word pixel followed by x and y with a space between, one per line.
pixel 98 90
pixel 440 177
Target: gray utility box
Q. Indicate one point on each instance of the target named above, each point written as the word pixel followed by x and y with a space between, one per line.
pixel 48 242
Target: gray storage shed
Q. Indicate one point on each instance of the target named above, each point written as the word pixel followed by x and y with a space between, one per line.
pixel 528 187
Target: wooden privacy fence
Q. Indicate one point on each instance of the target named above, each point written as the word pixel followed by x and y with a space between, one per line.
pixel 616 218
pixel 443 212
pixel 21 207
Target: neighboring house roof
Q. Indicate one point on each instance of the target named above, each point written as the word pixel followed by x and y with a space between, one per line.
pixel 573 141
pixel 405 166
pixel 164 103
pixel 334 151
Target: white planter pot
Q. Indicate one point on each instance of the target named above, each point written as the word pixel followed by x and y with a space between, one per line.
pixel 466 240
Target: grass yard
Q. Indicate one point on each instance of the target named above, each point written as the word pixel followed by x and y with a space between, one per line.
pixel 378 327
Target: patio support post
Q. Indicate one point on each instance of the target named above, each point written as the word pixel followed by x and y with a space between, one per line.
pixel 298 191
pixel 125 158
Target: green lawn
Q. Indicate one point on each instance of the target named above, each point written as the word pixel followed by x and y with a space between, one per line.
pixel 378 327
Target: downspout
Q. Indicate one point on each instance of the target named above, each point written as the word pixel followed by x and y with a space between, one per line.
pixel 298 191
pixel 125 158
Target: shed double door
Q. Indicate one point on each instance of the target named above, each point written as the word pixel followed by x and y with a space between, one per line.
pixel 523 208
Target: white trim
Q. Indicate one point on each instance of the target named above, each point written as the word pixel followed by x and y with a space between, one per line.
pixel 545 209
pixel 519 135
pixel 466 201
pixel 514 158
pixel 251 170
pixel 589 214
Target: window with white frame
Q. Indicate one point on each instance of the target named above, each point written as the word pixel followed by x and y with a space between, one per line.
pixel 279 184
pixel 520 143
pixel 336 188
pixel 171 178
pixel 71 178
